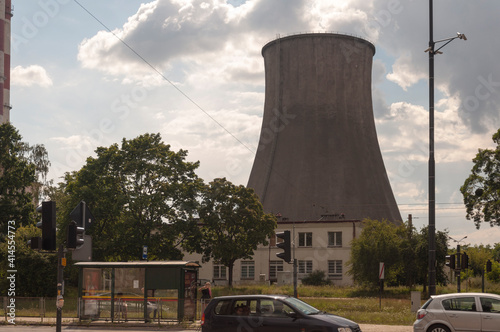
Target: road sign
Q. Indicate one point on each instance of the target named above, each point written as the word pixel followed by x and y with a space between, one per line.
pixel 381 271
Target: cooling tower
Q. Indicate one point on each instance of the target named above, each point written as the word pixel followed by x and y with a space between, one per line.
pixel 318 151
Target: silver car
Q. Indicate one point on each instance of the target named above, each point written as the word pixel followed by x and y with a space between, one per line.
pixel 459 312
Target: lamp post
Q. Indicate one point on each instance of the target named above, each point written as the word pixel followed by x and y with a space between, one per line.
pixel 432 166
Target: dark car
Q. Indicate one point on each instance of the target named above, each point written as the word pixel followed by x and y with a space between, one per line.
pixel 269 313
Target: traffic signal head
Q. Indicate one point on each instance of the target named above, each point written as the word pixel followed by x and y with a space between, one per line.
pixel 488 266
pixel 450 261
pixel 35 243
pixel 286 255
pixel 75 236
pixel 465 261
pixel 48 226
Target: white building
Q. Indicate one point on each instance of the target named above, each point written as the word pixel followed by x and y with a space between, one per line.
pixel 317 245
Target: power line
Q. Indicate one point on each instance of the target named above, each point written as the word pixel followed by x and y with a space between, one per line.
pixel 163 76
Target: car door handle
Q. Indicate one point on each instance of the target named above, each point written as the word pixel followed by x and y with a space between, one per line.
pixel 453 316
pixel 487 317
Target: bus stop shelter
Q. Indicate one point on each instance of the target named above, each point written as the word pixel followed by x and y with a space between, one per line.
pixel 142 290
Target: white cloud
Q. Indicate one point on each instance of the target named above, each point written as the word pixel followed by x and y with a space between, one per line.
pixel 404 73
pixel 211 51
pixel 30 76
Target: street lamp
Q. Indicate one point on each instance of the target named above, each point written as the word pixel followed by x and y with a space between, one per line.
pixel 432 165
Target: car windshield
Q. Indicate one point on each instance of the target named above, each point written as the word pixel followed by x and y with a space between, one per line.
pixel 303 307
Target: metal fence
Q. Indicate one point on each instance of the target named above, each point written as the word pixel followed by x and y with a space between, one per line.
pixel 159 310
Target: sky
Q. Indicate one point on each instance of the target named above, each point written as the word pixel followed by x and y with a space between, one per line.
pixel 88 73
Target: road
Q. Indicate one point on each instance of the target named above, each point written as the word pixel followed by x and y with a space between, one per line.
pixel 25 328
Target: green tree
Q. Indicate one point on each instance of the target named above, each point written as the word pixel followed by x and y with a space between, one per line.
pixel 38 156
pixel 16 177
pixel 378 242
pixel 404 251
pixel 232 224
pixel 141 193
pixel 478 256
pixel 36 272
pixel 422 261
pixel 494 275
pixel 496 252
pixel 481 189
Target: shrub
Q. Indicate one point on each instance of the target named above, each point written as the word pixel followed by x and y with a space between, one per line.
pixel 316 278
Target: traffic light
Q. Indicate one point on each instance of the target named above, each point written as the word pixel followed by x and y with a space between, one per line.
pixel 488 266
pixel 286 255
pixel 450 261
pixel 35 243
pixel 48 226
pixel 81 218
pixel 464 261
pixel 75 236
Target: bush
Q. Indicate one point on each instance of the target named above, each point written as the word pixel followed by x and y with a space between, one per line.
pixel 316 278
pixel 494 275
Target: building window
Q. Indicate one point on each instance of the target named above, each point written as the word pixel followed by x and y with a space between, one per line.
pixel 274 268
pixel 219 271
pixel 305 239
pixel 305 266
pixel 335 239
pixel 335 269
pixel 247 270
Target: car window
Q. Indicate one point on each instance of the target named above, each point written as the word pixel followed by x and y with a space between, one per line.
pixel 244 308
pixel 274 308
pixel 490 305
pixel 460 304
pixel 301 306
pixel 426 304
pixel 223 307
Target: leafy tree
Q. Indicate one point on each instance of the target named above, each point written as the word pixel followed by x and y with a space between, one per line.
pixel 496 252
pixel 478 256
pixel 38 156
pixel 481 189
pixel 494 275
pixel 408 266
pixel 36 273
pixel 377 243
pixel 16 176
pixel 404 251
pixel 141 193
pixel 232 224
pixel 422 261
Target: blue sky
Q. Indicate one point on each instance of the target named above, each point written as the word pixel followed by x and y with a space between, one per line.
pixel 75 86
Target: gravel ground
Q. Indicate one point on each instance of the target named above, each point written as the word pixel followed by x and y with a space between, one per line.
pixel 385 328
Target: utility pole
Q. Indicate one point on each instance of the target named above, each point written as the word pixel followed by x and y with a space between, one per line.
pixel 459 267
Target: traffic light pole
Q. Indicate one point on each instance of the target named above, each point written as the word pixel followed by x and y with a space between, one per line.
pixel 295 278
pixel 459 266
pixel 60 300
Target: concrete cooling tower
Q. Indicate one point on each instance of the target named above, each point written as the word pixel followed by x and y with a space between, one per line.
pixel 318 151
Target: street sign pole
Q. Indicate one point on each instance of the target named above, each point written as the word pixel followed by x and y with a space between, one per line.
pixel 381 276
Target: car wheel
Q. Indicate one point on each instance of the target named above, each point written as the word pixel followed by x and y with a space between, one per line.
pixel 438 328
